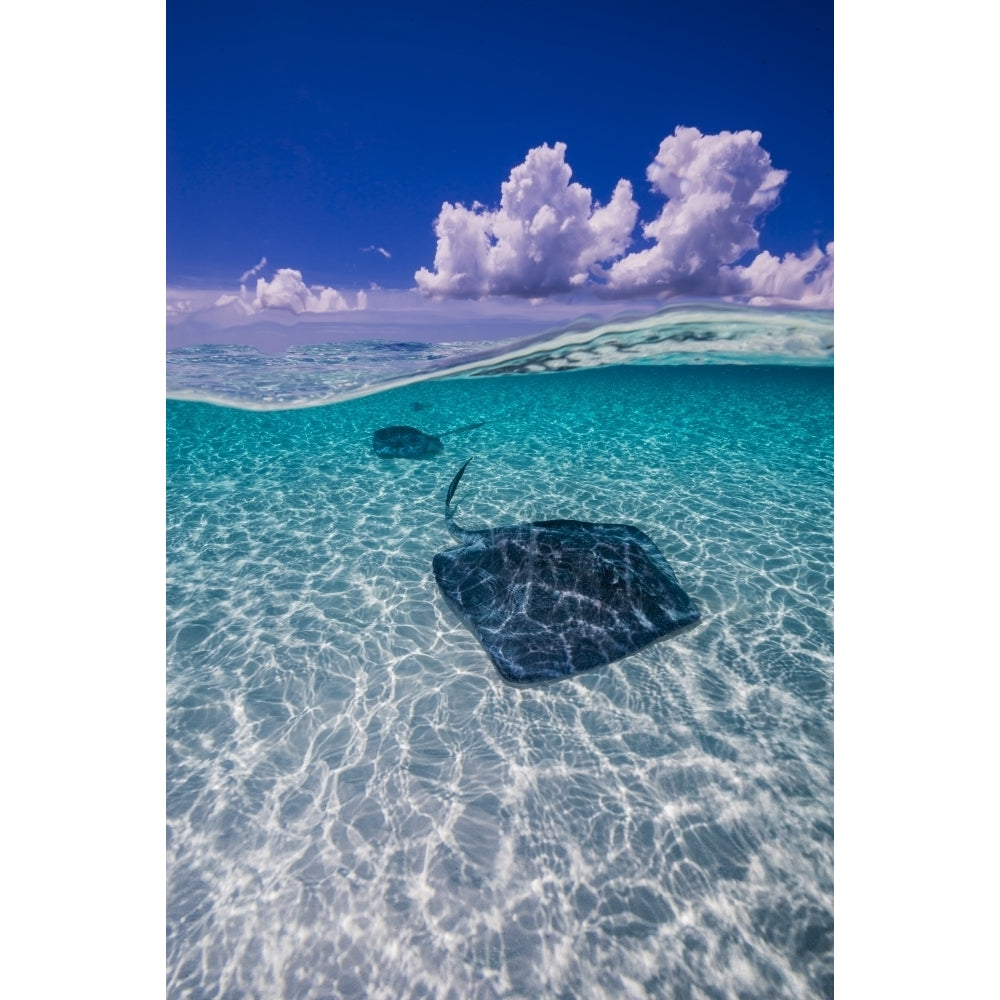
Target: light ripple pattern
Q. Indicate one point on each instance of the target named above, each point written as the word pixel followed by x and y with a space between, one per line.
pixel 358 806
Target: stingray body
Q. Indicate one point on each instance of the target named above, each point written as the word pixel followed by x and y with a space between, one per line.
pixel 551 599
pixel 404 442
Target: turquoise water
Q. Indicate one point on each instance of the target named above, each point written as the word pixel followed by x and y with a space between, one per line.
pixel 357 804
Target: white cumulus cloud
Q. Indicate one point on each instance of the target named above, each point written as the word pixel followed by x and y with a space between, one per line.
pixel 546 237
pixel 286 290
pixel 804 281
pixel 717 187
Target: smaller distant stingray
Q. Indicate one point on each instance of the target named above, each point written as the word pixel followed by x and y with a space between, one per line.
pixel 554 598
pixel 401 441
pixel 418 406
pixel 404 442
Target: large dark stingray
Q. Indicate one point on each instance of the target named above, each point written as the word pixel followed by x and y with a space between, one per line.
pixel 401 441
pixel 553 598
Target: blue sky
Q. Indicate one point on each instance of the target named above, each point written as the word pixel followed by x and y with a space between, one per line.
pixel 325 140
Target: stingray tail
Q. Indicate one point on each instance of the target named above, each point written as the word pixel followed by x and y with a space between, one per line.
pixel 449 518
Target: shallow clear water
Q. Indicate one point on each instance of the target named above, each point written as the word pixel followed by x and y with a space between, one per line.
pixel 357 804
